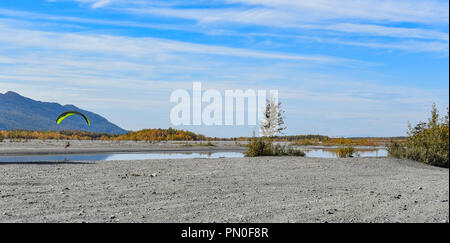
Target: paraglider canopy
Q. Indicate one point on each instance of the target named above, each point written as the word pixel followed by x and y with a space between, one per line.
pixel 71 113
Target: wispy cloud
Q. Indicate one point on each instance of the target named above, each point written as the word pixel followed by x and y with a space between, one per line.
pixel 100 3
pixel 284 15
pixel 327 58
pixel 398 32
pixel 416 11
pixel 92 3
pixel 410 46
pixel 427 20
pixel 135 47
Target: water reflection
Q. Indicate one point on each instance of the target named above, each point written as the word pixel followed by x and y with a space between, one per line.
pixel 314 153
pixel 332 153
pixel 50 158
pixel 116 156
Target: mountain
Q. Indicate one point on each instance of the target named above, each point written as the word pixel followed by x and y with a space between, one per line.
pixel 18 112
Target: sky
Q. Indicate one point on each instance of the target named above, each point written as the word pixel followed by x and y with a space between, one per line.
pixel 342 67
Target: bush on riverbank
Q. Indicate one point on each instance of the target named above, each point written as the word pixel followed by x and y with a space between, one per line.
pixel 396 149
pixel 346 151
pixel 264 147
pixel 428 142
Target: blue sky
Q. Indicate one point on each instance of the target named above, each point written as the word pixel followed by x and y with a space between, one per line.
pixel 342 68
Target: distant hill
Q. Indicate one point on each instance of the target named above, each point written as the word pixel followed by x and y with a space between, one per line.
pixel 18 112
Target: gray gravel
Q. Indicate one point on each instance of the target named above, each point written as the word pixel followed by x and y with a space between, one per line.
pixel 266 189
pixel 49 147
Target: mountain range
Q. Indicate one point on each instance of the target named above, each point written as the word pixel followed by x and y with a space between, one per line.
pixel 19 112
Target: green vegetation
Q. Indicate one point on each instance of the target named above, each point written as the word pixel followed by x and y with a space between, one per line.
pixel 1 137
pixel 283 150
pixel 428 142
pixel 396 149
pixel 345 151
pixel 259 147
pixel 264 147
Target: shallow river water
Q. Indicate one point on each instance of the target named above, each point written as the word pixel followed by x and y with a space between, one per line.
pixel 317 153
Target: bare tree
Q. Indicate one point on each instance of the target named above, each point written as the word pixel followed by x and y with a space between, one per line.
pixel 272 122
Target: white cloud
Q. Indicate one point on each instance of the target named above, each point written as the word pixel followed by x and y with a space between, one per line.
pixel 416 11
pixel 410 46
pixel 339 14
pixel 334 32
pixel 429 19
pixel 114 73
pixel 136 47
pixel 92 3
pixel 388 31
pixel 288 13
pixel 100 3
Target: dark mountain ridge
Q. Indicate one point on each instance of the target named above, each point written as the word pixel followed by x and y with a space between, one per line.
pixel 18 112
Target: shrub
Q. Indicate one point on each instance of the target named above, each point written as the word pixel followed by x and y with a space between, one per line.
pixel 427 142
pixel 283 150
pixel 262 147
pixel 396 149
pixel 259 147
pixel 345 151
pixel 1 137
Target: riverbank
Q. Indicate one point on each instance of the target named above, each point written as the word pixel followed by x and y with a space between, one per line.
pixel 265 189
pixel 39 147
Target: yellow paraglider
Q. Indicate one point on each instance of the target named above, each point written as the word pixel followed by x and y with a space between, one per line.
pixel 71 113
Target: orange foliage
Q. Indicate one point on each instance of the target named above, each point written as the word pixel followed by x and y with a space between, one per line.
pixel 143 135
